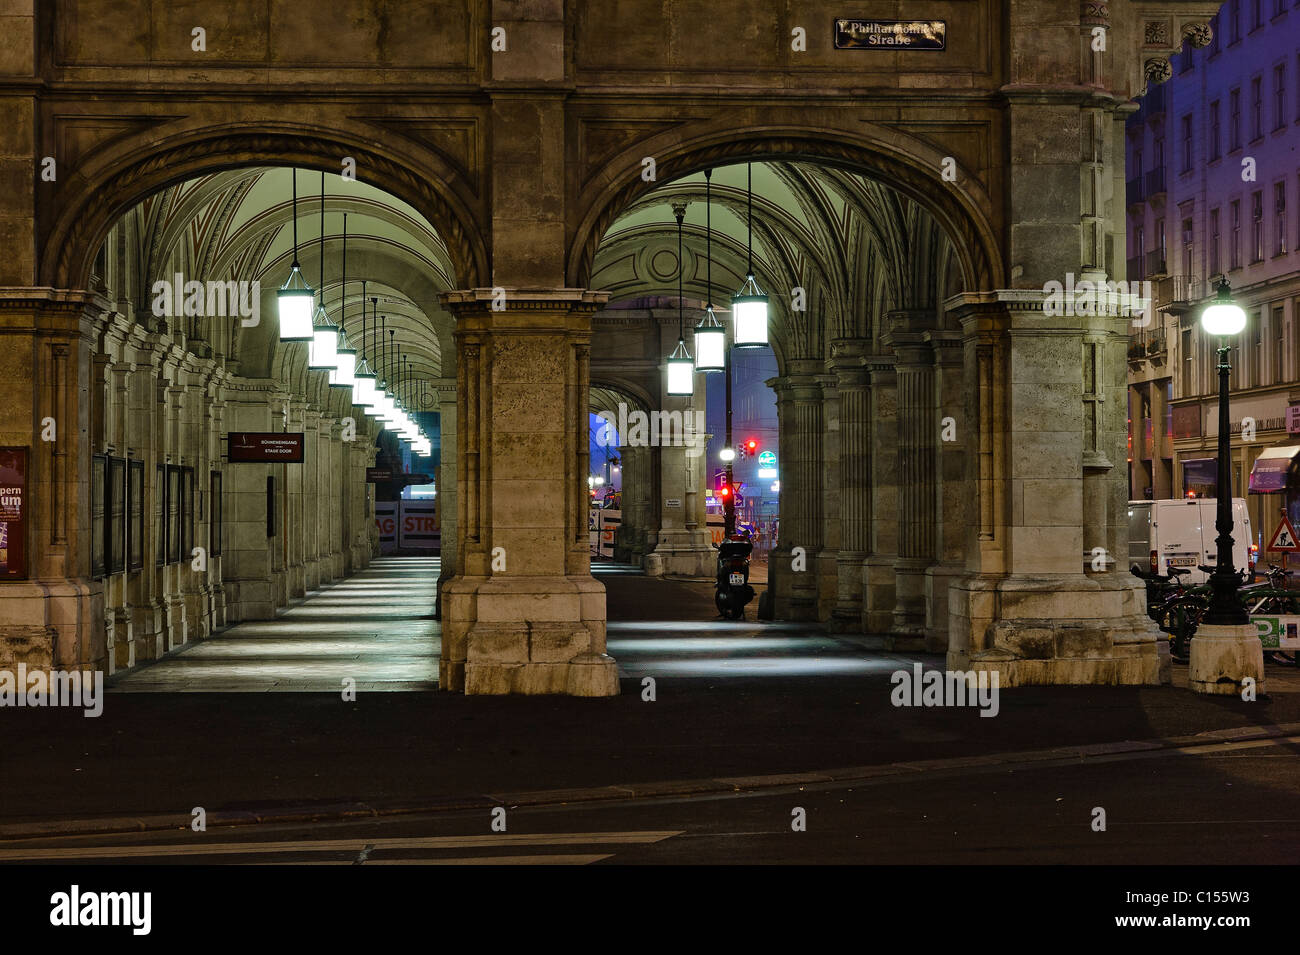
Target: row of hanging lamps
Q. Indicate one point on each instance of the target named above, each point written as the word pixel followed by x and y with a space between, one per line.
pixel 749 305
pixel 323 347
pixel 345 357
pixel 681 368
pixel 710 335
pixel 364 390
pixel 295 297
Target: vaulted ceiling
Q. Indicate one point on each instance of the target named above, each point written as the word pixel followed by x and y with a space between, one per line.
pixel 856 247
pixel 238 225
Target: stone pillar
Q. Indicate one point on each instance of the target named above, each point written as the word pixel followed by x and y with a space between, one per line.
pixel 216 546
pixel 847 359
pixel 1037 609
pixel 523 613
pixel 316 500
pixel 800 414
pixel 55 617
pixel 173 599
pixel 295 525
pixel 194 583
pixel 630 538
pixel 878 581
pixel 829 481
pixel 952 507
pixel 917 432
pixel 119 638
pixel 447 485
pixel 247 560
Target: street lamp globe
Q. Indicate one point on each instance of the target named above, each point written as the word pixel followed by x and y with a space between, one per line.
pixel 1223 316
pixel 727 454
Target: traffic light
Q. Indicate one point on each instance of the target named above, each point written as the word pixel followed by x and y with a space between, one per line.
pixel 749 448
pixel 724 492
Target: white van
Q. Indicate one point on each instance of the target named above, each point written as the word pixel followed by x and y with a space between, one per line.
pixel 1181 533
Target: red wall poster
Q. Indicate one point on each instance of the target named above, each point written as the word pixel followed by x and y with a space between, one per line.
pixel 13 513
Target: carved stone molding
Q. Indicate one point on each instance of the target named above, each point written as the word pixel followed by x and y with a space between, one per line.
pixel 1158 69
pixel 67 244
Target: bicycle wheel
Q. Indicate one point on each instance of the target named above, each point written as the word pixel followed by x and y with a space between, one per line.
pixel 1184 618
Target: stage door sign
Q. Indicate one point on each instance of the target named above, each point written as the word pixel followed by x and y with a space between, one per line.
pixel 13 513
pixel 265 447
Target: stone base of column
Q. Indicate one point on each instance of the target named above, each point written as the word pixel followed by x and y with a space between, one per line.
pixel 297 581
pixel 938 579
pixel 1224 658
pixel 528 635
pixel 878 600
pixel 1055 630
pixel 312 568
pixel 55 623
pixel 174 625
pixel 146 626
pixel 119 640
pixel 197 624
pixel 685 554
pixel 846 617
pixel 907 631
pixel 217 608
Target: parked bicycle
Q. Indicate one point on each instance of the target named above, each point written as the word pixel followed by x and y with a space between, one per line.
pixel 1176 608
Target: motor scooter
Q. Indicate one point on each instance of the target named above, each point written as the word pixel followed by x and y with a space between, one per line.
pixel 733 591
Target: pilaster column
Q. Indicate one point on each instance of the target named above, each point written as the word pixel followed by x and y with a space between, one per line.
pixel 523 613
pixel 296 517
pixel 878 589
pixel 173 598
pixel 799 409
pixel 952 505
pixel 448 487
pixel 316 500
pixel 847 360
pixel 917 431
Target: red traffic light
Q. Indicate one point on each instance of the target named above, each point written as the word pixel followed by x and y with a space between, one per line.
pixel 725 492
pixel 751 445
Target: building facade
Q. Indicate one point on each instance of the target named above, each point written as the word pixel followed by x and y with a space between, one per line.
pixel 1213 191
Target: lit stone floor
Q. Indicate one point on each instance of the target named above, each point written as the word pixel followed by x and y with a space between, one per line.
pixel 375 627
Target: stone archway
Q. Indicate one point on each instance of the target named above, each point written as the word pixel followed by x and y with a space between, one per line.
pixel 963 208
pixel 93 198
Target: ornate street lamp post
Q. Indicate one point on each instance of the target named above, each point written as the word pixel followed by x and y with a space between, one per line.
pixel 1227 657
pixel 1224 318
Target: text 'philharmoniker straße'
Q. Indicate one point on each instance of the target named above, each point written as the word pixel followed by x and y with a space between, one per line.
pixel 890 34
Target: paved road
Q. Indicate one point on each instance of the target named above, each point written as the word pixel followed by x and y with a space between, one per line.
pixel 1237 803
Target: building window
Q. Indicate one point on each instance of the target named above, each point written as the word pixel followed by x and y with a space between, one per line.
pixel 1214 130
pixel 1234 15
pixel 1187 247
pixel 1187 143
pixel 1276 330
pixel 1256 14
pixel 1257 354
pixel 1215 25
pixel 1257 226
pixel 1214 242
pixel 1234 120
pixel 1160 245
pixel 1279 96
pixel 1279 218
pixel 1188 368
pixel 1256 108
pixel 1234 234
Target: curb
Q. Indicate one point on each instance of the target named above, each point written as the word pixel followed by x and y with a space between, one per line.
pixel 664 789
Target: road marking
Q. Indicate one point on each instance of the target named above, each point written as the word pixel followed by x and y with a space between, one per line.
pixel 562 859
pixel 339 845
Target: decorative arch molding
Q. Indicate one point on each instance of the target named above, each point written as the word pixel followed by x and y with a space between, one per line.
pixel 962 208
pixel 102 191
